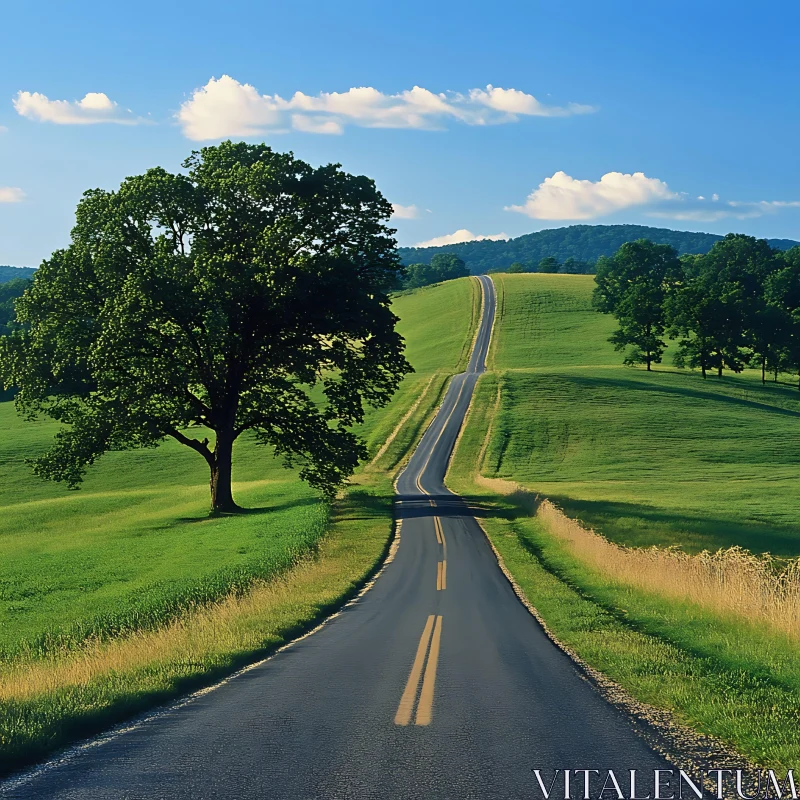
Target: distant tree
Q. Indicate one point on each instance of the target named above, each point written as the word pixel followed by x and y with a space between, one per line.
pixel 736 269
pixel 782 291
pixel 694 316
pixel 443 267
pixel 632 285
pixel 447 267
pixel 548 264
pixel 418 275
pixel 249 294
pixel 517 267
pixel 572 266
pixel 721 311
pixel 9 293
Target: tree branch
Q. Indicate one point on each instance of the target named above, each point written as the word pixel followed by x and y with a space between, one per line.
pixel 195 444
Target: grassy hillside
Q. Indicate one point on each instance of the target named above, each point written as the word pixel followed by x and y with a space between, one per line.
pixel 104 592
pixel 581 242
pixel 661 458
pixel 135 544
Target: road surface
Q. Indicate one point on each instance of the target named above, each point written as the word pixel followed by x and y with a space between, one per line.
pixel 436 683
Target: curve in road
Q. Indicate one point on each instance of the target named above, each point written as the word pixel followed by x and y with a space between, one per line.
pixel 436 683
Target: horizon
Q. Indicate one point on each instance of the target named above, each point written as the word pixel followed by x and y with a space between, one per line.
pixel 520 236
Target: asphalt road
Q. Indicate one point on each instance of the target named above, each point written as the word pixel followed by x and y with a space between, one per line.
pixel 436 683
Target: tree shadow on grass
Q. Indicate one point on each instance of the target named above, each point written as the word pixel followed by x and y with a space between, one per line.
pixel 360 504
pixel 245 512
pixel 695 394
pixel 618 521
pixel 692 532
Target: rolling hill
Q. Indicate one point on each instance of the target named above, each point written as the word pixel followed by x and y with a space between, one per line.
pixel 581 242
pixel 11 273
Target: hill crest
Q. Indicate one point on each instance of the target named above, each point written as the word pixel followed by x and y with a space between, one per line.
pixel 585 243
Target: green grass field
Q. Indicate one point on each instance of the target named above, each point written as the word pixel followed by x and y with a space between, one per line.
pixel 648 459
pixel 134 546
pixel 104 592
pixel 660 458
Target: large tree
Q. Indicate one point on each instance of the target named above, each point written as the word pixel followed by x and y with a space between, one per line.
pixel 248 294
pixel 632 285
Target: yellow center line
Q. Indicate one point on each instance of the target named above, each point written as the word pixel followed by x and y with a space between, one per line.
pixel 425 707
pixel 444 575
pixel 441 433
pixel 437 526
pixel 406 707
pixel 438 576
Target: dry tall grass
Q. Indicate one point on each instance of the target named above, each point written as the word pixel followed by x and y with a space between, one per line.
pixel 730 582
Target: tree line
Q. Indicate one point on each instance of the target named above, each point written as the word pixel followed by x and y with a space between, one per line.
pixel 582 243
pixel 736 306
pixel 447 266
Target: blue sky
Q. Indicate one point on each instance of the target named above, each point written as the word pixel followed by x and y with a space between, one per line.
pixel 689 109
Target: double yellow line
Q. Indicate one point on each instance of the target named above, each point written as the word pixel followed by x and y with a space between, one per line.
pixel 428 646
pixel 427 656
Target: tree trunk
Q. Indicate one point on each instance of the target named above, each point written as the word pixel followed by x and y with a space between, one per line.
pixel 719 370
pixel 763 369
pixel 221 473
pixel 648 360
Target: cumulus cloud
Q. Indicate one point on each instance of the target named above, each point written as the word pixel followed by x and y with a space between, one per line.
pixel 96 107
pixel 404 212
pixel 226 107
pixel 461 235
pixel 565 197
pixel 11 194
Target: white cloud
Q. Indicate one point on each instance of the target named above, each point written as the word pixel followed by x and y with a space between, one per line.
pixel 565 197
pixel 404 212
pixel 731 209
pixel 514 102
pixel 461 235
pixel 226 107
pixel 96 107
pixel 11 194
pixel 3 129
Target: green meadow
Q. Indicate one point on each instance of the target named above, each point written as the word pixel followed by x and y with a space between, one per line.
pixel 125 593
pixel 659 458
pixel 648 459
pixel 134 546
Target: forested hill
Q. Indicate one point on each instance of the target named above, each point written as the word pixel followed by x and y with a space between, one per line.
pixel 584 243
pixel 9 273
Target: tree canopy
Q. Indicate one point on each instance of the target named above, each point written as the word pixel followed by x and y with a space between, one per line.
pixel 632 286
pixel 248 294
pixel 734 307
pixel 443 267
